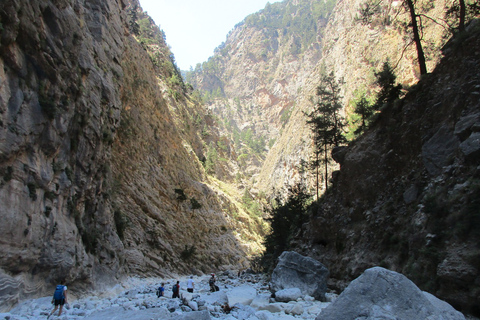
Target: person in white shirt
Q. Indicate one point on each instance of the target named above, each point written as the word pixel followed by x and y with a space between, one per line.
pixel 190 285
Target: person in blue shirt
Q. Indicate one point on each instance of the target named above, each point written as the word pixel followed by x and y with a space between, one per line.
pixel 59 298
pixel 161 290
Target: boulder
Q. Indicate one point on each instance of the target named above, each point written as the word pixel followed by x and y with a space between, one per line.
pixel 265 315
pixel 243 294
pixel 218 298
pixel 471 147
pixel 195 315
pixel 383 294
pixel 338 154
pixel 439 150
pixel 260 301
pixel 297 309
pixel 287 295
pixel 193 305
pixel 296 271
pixel 119 313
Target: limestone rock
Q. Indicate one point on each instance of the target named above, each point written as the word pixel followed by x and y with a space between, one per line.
pixel 287 295
pixel 296 271
pixel 243 295
pixel 381 293
pixel 438 151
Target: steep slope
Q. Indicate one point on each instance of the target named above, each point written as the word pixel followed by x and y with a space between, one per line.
pixel 406 196
pixel 100 166
pixel 255 78
pixel 262 79
pixel 353 51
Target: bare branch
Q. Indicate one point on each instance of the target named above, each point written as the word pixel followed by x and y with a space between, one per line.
pixel 435 21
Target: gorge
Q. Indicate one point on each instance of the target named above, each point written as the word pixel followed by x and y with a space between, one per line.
pixel 113 165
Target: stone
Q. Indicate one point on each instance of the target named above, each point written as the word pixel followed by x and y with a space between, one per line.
pixel 218 298
pixel 297 309
pixel 439 150
pixel 274 307
pixel 296 271
pixel 243 294
pixel 9 288
pixel 410 195
pixel 471 147
pixel 463 127
pixel 193 305
pixel 287 295
pixel 383 294
pixel 264 315
pixel 260 301
pixel 338 154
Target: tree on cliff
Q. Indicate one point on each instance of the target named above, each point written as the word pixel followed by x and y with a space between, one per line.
pixel 389 91
pixel 461 11
pixel 327 124
pixel 365 110
pixel 371 8
pixel 285 218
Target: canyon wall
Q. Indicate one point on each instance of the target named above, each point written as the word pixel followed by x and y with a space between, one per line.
pixel 101 176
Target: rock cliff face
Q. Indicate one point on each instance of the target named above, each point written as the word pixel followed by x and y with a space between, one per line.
pixel 255 80
pixel 406 196
pixel 263 78
pixel 99 157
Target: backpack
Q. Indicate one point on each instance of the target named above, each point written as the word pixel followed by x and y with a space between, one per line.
pixel 175 288
pixel 58 294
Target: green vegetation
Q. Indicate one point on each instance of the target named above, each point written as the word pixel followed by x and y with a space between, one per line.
pixel 188 253
pixel 365 107
pixel 286 218
pixel 195 204
pixel 299 22
pixel 180 195
pixel 211 160
pixel 327 124
pixel 250 205
pixel 389 91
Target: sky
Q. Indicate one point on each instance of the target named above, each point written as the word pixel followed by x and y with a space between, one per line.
pixel 194 28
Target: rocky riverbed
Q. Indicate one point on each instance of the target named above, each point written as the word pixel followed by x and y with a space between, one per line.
pixel 248 296
pixel 377 294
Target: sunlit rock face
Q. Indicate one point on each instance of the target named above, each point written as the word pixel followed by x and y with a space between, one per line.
pixel 92 153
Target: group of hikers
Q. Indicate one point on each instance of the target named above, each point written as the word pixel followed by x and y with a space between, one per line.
pixel 190 287
pixel 60 295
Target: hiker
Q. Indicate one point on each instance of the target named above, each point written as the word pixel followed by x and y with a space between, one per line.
pixel 211 282
pixel 161 290
pixel 176 290
pixel 59 298
pixel 190 285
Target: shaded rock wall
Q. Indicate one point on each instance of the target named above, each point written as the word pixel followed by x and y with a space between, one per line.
pixel 406 194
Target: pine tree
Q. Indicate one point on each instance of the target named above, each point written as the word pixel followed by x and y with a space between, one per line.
pixel 327 124
pixel 389 92
pixel 286 218
pixel 365 110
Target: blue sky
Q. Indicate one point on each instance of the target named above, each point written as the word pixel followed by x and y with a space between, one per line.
pixel 194 28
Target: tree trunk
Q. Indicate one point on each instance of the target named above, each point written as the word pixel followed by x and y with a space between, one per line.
pixel 326 167
pixel 416 37
pixel 318 173
pixel 461 25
